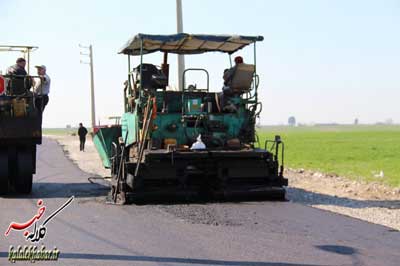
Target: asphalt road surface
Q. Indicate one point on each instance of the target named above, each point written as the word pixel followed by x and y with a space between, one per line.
pixel 90 232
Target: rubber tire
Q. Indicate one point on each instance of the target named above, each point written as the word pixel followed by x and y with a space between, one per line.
pixel 24 176
pixel 4 173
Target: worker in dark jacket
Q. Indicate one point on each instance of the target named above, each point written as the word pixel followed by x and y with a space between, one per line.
pixel 18 68
pixel 20 83
pixel 229 73
pixel 82 132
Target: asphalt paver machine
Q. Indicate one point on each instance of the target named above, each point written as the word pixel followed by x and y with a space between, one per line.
pixel 190 143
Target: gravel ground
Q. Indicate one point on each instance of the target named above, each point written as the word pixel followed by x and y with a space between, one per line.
pixel 371 202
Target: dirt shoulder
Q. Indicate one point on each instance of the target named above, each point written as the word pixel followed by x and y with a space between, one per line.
pixel 372 202
pixel 89 160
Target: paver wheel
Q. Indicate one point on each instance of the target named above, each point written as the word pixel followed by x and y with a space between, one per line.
pixel 4 173
pixel 23 178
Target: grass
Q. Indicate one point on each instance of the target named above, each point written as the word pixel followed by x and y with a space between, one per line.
pixel 357 152
pixel 59 131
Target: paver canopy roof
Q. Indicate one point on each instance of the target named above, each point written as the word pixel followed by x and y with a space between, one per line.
pixel 183 43
pixel 16 48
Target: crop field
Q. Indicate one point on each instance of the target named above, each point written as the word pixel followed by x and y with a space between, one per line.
pixel 59 131
pixel 357 152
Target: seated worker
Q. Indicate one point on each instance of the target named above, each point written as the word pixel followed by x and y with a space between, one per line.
pixel 229 73
pixel 237 80
pixel 228 77
pixel 19 84
pixel 41 88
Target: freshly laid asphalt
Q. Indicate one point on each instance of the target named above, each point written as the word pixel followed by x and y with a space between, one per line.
pixel 91 232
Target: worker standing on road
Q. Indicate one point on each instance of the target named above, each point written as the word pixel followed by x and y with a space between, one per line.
pixel 41 88
pixel 82 132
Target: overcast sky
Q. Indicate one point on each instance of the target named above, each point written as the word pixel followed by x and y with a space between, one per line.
pixel 321 61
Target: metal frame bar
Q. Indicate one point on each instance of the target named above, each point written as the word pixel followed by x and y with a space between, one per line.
pixel 28 59
pixel 141 69
pixel 129 87
pixel 10 77
pixel 129 64
pixel 255 74
pixel 26 50
pixel 16 48
pixel 184 85
pixel 195 69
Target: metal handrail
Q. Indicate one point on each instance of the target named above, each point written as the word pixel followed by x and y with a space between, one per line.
pixel 25 77
pixel 195 69
pixel 19 76
pixel 276 143
pixel 184 85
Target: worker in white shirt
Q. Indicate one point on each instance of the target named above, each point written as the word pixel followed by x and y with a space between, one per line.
pixel 41 88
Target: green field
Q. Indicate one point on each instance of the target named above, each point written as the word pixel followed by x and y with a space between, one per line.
pixel 59 131
pixel 357 152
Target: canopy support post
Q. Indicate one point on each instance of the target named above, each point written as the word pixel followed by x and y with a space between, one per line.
pixel 28 59
pixel 141 69
pixel 255 73
pixel 165 66
pixel 129 72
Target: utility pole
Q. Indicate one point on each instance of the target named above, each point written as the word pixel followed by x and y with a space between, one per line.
pixel 181 58
pixel 92 87
pixel 90 55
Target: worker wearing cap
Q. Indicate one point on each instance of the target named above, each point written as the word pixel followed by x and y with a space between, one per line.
pixel 41 89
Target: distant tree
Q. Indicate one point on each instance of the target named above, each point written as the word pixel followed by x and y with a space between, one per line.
pixel 292 121
pixel 389 121
pixel 68 126
pixel 356 121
